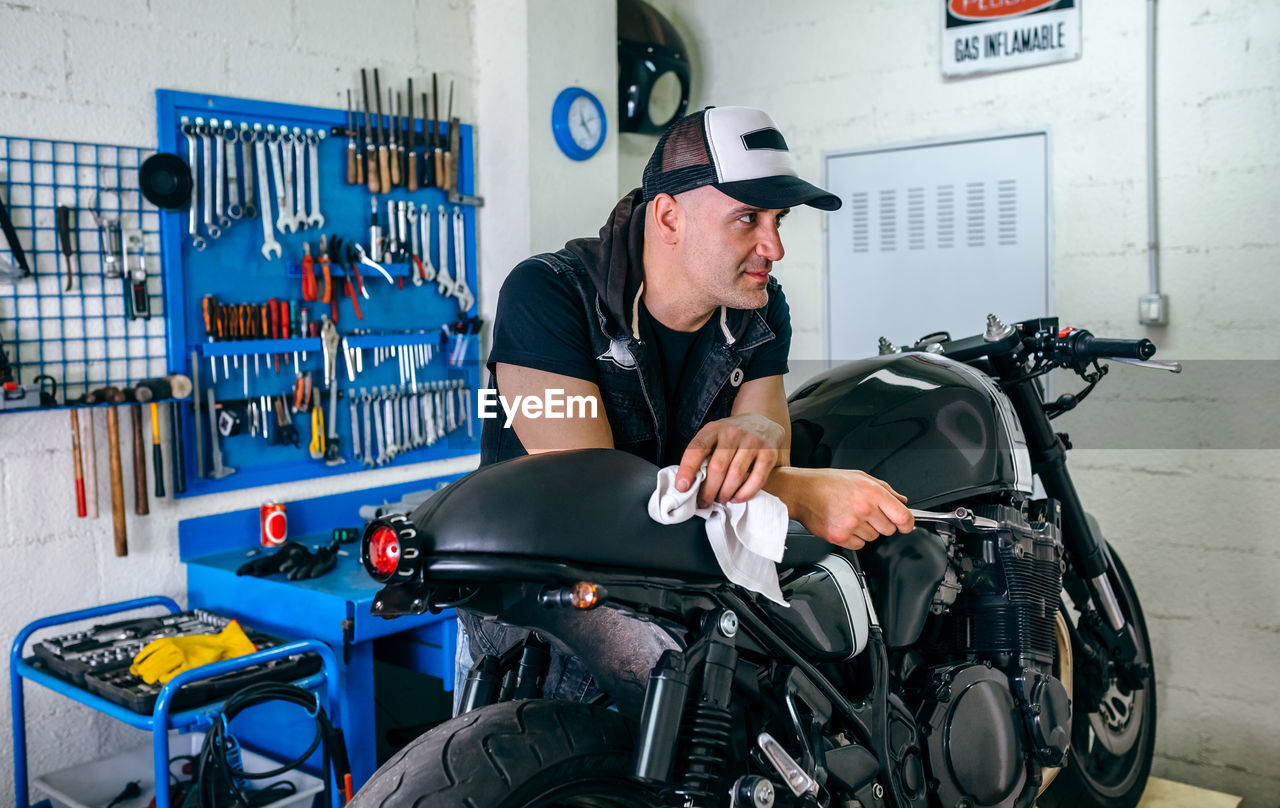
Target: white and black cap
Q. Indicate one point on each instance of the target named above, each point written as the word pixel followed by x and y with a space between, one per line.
pixel 737 150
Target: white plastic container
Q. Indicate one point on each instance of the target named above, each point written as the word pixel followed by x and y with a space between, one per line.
pixel 93 785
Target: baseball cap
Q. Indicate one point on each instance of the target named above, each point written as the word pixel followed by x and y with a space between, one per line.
pixel 737 150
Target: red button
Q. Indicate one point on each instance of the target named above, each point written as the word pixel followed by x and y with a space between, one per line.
pixel 1063 333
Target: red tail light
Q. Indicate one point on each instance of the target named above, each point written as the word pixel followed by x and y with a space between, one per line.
pixel 384 551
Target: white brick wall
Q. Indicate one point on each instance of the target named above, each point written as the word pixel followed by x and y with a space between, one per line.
pixel 1191 524
pixel 84 70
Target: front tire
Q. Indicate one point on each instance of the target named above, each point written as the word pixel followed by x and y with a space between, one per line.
pixel 517 754
pixel 1112 739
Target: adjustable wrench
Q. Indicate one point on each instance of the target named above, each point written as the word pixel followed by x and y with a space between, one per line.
pixel 316 219
pixel 299 179
pixel 209 226
pixel 219 173
pixel 193 213
pixel 269 243
pixel 231 136
pixel 460 289
pixel 246 137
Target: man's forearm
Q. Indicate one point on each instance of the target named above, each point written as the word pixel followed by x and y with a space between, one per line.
pixel 785 483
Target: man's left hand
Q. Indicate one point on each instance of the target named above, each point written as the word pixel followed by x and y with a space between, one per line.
pixel 743 450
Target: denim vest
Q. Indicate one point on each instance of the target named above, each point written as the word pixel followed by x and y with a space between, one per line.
pixel 630 378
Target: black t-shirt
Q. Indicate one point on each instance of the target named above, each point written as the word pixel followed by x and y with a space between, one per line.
pixel 540 324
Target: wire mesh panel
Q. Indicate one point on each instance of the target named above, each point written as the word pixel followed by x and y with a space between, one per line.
pixel 109 327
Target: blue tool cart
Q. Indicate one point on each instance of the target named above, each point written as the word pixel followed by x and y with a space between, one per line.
pixel 333 608
pixel 162 718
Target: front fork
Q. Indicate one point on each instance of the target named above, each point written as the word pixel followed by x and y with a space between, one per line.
pixel 1084 546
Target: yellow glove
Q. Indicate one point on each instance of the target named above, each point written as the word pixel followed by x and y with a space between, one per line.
pixel 165 658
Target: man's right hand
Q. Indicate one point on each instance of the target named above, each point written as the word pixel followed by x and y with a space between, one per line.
pixel 846 507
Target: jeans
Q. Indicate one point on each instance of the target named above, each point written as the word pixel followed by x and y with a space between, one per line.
pixel 602 650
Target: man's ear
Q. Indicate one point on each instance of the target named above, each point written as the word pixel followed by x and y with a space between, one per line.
pixel 668 218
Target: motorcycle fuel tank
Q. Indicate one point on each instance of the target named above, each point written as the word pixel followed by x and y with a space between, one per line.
pixel 933 428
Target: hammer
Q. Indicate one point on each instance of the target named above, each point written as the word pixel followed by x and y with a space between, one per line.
pixel 109 394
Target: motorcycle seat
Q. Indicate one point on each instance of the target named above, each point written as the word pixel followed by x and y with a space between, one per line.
pixel 587 507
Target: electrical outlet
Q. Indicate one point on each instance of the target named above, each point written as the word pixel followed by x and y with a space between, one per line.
pixel 1153 309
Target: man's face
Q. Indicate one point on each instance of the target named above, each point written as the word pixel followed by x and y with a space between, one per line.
pixel 728 248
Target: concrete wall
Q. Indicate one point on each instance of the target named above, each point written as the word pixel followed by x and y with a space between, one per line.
pixel 87 71
pixel 1180 496
pixel 1188 520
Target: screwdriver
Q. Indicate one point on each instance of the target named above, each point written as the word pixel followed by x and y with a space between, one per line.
pixel 308 273
pixel 369 150
pixel 435 126
pixel 428 165
pixel 412 180
pixel 384 168
pixel 352 179
pixel 393 109
pixel 206 306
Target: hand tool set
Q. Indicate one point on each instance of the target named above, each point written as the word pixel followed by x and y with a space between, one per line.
pixel 361 253
pixel 339 207
pixel 80 279
pixel 98 659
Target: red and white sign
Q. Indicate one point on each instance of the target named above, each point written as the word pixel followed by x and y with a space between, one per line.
pixel 985 36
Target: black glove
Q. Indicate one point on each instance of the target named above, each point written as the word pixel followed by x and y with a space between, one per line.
pixel 266 565
pixel 316 564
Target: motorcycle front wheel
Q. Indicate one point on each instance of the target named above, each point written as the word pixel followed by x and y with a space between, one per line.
pixel 516 754
pixel 1113 738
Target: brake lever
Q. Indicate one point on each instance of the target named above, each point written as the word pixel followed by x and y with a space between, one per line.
pixel 1172 367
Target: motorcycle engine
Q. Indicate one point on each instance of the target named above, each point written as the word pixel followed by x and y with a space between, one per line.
pixel 984 693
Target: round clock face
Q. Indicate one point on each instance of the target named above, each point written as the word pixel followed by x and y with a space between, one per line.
pixel 584 123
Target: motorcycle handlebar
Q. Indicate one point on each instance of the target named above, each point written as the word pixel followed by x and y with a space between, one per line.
pixel 1081 346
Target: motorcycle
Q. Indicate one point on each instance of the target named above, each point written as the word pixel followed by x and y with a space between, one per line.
pixel 995 656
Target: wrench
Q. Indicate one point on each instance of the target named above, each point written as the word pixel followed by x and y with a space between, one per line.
pixel 316 219
pixel 355 429
pixel 389 423
pixel 193 213
pixel 962 518
pixel 269 243
pixel 209 226
pixel 443 282
pixel 291 213
pixel 377 423
pixel 220 181
pixel 368 433
pixel 283 199
pixel 232 137
pixel 460 289
pixel 428 268
pixel 246 158
pixel 300 179
pixel 415 274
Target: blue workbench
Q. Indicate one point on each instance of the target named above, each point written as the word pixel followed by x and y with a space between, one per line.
pixel 333 608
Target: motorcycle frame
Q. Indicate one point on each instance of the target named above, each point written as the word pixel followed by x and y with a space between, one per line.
pixel 703 673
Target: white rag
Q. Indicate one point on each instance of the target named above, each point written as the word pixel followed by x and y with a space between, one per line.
pixel 748 538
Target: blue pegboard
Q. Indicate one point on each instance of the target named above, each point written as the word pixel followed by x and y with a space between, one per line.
pixel 81 337
pixel 232 268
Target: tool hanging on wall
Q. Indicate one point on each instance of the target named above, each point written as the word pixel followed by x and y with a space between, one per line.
pixel 393 156
pixel 370 150
pixel 81 510
pixel 353 163
pixel 117 476
pixel 436 151
pixel 384 168
pixel 91 466
pixel 411 166
pixel 141 505
pixel 19 268
pixel 63 217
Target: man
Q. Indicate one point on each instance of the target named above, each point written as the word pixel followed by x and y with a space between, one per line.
pixel 671 320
